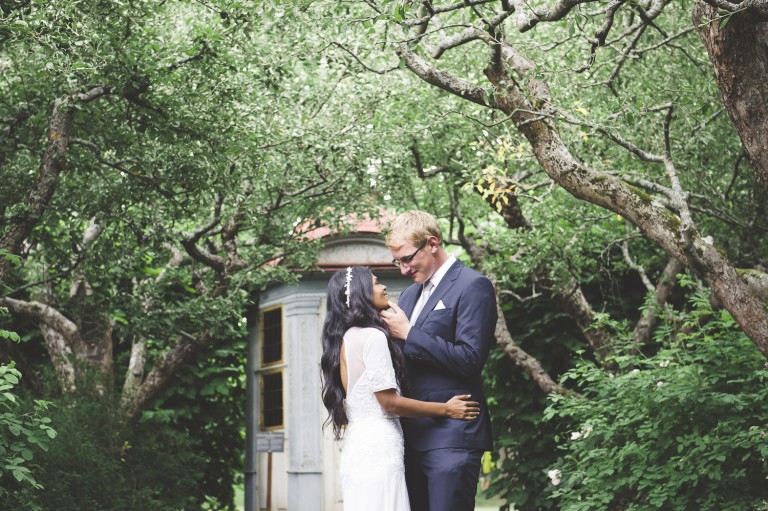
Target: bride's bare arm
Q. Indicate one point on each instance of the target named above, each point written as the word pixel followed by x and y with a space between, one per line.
pixel 458 407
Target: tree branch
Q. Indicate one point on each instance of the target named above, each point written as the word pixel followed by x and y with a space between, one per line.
pixel 363 64
pixel 44 314
pixel 163 370
pixel 200 254
pixel 575 304
pixel 754 10
pixel 504 339
pixel 602 33
pixel 528 17
pixel 662 290
pixel 433 11
pixel 442 79
pixel 51 165
pixel 632 264
pixel 653 219
pixel 472 34
pixel 679 198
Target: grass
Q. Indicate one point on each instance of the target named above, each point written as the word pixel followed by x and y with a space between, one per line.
pixel 482 503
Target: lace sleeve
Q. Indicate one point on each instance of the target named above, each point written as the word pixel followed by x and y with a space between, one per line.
pixel 378 362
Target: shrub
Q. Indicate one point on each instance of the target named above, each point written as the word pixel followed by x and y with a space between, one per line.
pixel 99 463
pixel 21 434
pixel 517 405
pixel 684 428
pixel 23 429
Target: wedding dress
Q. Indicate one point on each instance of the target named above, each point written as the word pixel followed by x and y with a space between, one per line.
pixel 372 470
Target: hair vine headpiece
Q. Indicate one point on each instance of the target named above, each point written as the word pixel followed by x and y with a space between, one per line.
pixel 349 280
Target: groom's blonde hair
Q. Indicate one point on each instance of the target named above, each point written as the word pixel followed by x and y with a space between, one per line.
pixel 412 227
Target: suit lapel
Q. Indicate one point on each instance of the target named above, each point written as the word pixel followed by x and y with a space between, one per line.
pixel 407 303
pixel 445 285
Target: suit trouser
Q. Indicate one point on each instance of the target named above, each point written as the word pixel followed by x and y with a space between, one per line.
pixel 442 479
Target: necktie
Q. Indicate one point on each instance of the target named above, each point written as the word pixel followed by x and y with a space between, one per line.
pixel 425 292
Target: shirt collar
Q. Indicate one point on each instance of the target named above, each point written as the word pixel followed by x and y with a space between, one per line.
pixel 440 273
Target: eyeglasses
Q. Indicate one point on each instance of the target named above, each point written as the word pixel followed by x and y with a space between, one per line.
pixel 407 259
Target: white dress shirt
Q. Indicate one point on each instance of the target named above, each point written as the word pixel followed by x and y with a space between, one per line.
pixel 429 287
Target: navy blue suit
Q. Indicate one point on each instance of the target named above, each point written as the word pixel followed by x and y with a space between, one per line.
pixel 445 352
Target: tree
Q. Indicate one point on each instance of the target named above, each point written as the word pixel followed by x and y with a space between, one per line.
pixel 164 191
pixel 473 39
pixel 583 234
pixel 159 163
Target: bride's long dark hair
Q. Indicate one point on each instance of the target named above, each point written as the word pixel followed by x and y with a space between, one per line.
pixel 340 318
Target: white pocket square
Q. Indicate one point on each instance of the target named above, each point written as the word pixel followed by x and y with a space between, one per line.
pixel 440 305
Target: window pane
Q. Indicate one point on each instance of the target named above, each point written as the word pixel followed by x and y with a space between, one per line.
pixel 272 400
pixel 272 347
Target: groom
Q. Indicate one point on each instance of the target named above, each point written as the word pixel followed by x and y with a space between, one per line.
pixel 446 321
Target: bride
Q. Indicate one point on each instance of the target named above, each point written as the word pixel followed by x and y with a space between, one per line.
pixel 362 373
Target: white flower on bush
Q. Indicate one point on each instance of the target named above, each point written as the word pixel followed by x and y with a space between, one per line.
pixel 659 383
pixel 584 433
pixel 635 371
pixel 554 476
pixel 664 363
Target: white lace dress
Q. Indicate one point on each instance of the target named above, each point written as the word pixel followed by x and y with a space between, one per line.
pixel 372 471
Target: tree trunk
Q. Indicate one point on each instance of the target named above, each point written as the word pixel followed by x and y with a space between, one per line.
pixel 134 374
pixel 59 333
pixel 575 304
pixel 51 166
pixel 94 350
pixel 163 370
pixel 738 50
pixel 647 322
pixel 62 358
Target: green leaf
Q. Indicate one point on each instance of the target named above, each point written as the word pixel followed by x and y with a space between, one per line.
pixel 20 473
pixel 400 11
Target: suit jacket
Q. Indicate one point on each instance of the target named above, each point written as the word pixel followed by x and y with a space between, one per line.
pixel 444 354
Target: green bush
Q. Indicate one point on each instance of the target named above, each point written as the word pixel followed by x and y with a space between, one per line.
pixel 517 405
pixel 684 428
pixel 23 429
pixel 99 463
pixel 21 434
pixel 206 403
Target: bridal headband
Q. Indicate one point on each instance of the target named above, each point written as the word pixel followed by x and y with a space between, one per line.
pixel 346 286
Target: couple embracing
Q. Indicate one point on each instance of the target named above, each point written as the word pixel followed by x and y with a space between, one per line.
pixel 403 382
